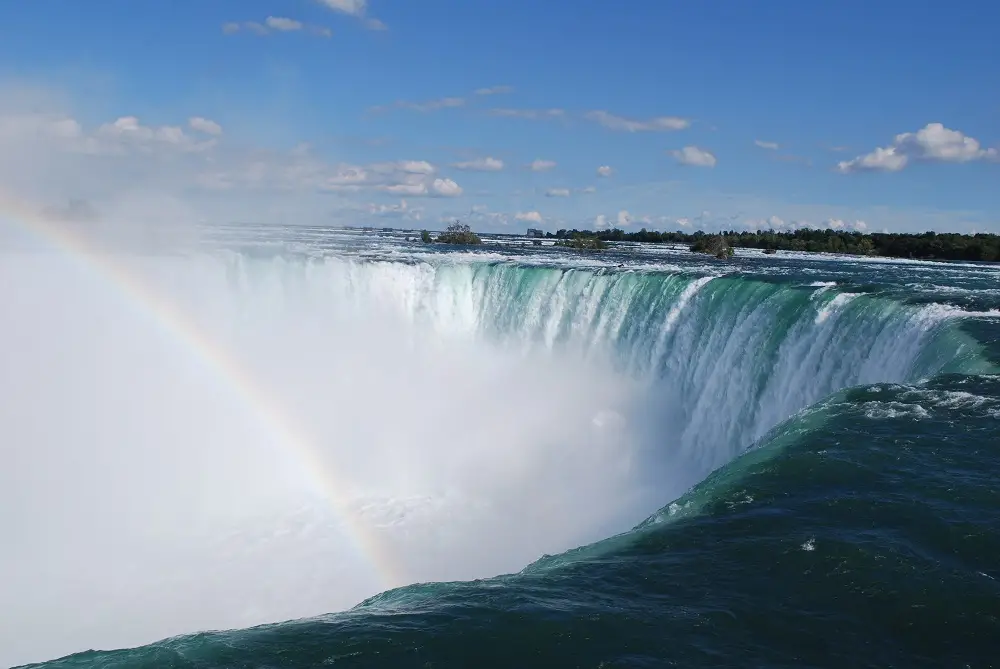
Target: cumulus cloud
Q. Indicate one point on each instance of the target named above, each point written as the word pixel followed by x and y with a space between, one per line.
pixel 588 189
pixel 529 216
pixel 134 172
pixel 656 124
pixel 557 192
pixel 445 188
pixel 349 7
pixel 692 155
pixel 932 143
pixel 771 146
pixel 622 219
pixel 539 165
pixel 388 209
pixel 840 224
pixel 604 171
pixel 486 164
pixel 356 8
pixel 779 224
pixel 124 135
pixel 205 125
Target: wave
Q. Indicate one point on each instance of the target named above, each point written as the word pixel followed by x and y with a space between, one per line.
pixel 477 415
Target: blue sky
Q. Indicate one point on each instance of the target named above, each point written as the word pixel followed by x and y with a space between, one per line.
pixel 708 113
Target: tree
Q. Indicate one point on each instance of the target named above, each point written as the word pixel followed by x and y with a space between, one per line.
pixel 425 237
pixel 459 233
pixel 716 245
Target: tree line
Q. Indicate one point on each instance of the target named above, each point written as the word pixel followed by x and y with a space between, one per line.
pixel 925 246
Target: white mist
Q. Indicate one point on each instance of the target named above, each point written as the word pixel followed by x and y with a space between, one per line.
pixel 143 495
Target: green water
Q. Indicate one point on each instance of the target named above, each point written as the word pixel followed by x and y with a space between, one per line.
pixel 846 513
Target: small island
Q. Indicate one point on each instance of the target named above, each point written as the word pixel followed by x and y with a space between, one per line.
pixel 715 245
pixel 457 233
pixel 583 243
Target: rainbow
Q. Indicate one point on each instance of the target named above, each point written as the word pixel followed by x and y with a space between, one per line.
pixel 182 330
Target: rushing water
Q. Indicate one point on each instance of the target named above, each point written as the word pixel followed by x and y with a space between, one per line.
pixel 277 424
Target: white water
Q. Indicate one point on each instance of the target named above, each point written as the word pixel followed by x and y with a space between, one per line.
pixel 141 496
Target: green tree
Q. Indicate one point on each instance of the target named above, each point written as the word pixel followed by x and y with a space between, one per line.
pixel 459 233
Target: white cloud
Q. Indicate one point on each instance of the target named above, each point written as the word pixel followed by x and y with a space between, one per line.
pixel 539 165
pixel 446 188
pixel 355 8
pixel 122 136
pixel 532 114
pixel 436 104
pixel 529 216
pixel 604 171
pixel 283 24
pixel 588 189
pixel 557 192
pixel 495 90
pixel 885 160
pixel 49 158
pixel 692 155
pixel 427 106
pixel 778 224
pixel 273 23
pixel 771 223
pixel 349 7
pixel 481 213
pixel 232 28
pixel 405 166
pixel 932 143
pixel 487 164
pixel 771 146
pixel 840 224
pixel 657 124
pixel 622 219
pixel 402 210
pixel 205 125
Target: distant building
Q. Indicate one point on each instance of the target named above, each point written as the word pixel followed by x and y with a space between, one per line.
pixel 532 232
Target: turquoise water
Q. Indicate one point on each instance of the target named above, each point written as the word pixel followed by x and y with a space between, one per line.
pixel 818 468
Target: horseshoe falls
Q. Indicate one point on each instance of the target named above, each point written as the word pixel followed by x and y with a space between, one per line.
pixel 301 447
